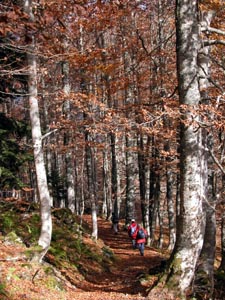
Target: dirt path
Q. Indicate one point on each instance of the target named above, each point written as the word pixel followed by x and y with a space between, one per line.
pixel 121 282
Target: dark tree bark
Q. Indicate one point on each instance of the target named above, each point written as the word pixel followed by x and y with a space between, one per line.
pixel 144 180
pixel 115 174
pixel 91 176
pixel 154 190
pixel 107 186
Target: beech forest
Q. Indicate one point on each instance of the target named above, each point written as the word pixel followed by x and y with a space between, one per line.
pixel 118 108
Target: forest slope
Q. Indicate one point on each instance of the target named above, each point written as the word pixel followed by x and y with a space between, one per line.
pixel 121 277
pixel 104 270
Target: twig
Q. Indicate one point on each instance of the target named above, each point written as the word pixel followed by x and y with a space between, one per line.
pixel 216 161
pixel 35 274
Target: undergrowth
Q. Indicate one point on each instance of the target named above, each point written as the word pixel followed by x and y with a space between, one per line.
pixel 20 222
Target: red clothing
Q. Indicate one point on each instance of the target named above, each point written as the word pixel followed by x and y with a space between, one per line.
pixel 139 241
pixel 133 227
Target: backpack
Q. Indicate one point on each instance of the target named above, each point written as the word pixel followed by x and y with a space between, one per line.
pixel 141 234
pixel 133 229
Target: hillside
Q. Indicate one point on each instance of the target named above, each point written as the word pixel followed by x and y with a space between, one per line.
pixel 76 267
pixel 73 269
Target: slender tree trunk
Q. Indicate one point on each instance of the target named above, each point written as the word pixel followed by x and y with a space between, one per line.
pixel 204 275
pixel 144 181
pixel 169 195
pixel 70 175
pixel 80 201
pixel 160 209
pixel 170 208
pixel 91 175
pixel 154 191
pixel 107 195
pixel 60 176
pixel 130 178
pixel 48 153
pixel 129 60
pixel 115 174
pixel 204 278
pixel 43 192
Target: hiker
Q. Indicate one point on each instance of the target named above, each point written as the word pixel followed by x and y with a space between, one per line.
pixel 132 232
pixel 141 237
pixel 115 223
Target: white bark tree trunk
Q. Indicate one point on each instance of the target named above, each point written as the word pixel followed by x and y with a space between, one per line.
pixel 44 197
pixel 204 277
pixel 190 230
pixel 130 177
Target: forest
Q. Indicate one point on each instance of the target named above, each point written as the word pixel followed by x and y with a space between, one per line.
pixel 118 107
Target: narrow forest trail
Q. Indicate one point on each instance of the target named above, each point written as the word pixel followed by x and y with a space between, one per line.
pixel 121 282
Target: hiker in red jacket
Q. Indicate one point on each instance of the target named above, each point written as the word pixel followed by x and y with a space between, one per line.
pixel 132 232
pixel 141 237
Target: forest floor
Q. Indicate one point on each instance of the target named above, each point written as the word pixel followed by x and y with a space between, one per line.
pixel 121 281
pixel 112 270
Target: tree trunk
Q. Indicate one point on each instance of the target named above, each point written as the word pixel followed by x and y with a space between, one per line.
pixel 204 278
pixel 170 208
pixel 116 158
pixel 160 214
pixel 70 175
pixel 80 178
pixel 130 178
pixel 222 264
pixel 45 200
pixel 154 191
pixel 107 189
pixel 189 238
pixel 190 225
pixel 144 181
pixel 91 176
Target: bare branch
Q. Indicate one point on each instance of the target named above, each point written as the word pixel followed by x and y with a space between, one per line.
pixel 213 42
pixel 217 161
pixel 213 30
pixel 49 133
